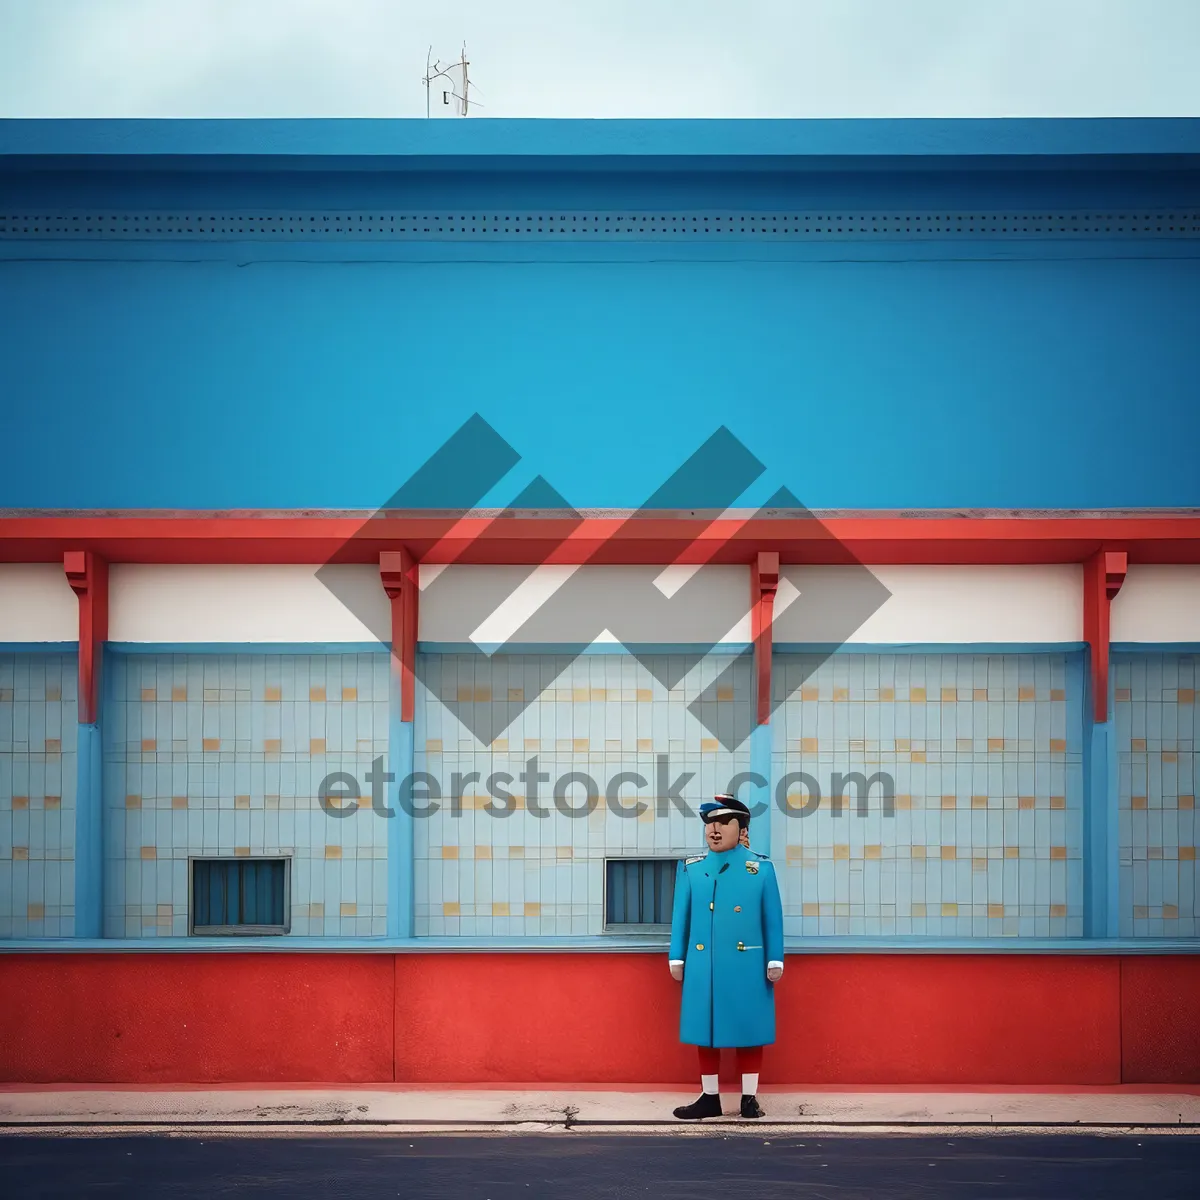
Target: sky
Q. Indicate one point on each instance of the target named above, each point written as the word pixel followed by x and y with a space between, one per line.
pixel 605 58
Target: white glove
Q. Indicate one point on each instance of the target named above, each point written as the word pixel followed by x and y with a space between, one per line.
pixel 774 971
pixel 677 970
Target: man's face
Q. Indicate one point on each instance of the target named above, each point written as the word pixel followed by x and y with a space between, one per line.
pixel 722 834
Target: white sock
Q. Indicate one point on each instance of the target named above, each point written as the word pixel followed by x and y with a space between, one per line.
pixel 750 1084
pixel 708 1084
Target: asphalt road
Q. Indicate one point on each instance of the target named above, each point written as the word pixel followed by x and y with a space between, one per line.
pixel 562 1165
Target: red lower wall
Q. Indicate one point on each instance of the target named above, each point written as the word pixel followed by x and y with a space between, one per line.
pixel 579 1017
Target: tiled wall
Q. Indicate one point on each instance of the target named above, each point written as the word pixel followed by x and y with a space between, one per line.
pixel 223 754
pixel 985 754
pixel 38 723
pixel 599 714
pixel 1157 734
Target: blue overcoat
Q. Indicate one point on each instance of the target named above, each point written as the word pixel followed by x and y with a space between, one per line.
pixel 726 925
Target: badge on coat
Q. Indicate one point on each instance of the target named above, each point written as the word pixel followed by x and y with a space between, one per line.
pixel 751 867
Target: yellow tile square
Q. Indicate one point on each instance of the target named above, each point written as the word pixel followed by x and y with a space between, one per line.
pixel 580 745
pixel 979 802
pixel 1012 851
pixel 1058 746
pixel 1058 693
pixel 449 851
pixel 645 745
pixel 149 852
pixel 242 851
pixel 949 909
pixel 645 695
pixel 1186 802
pixel 272 745
pixel 349 694
pixel 840 695
pixel 1027 802
pixel 149 695
pixel 841 850
pixel 949 851
pixel 564 852
pixel 532 743
pixel 516 852
pixel 995 910
pixel 1058 802
pixel 272 694
pixel 872 852
pixel 709 745
pixel 1187 853
pixel 1058 852
pixel 995 745
pixel 916 851
pixel 178 694
pixel 1137 802
pixel 316 694
pixel 917 756
pixel 810 694
pixel 316 745
pixel 21 853
pixel 979 863
pixel 148 745
pixel 979 694
pixel 532 908
pixel 499 908
pixel 483 852
pixel 1170 912
pixel 918 910
pixel 19 802
pixel 333 852
pixel 35 911
pixel 724 692
pixel 949 801
pixel 182 801
pixel 348 908
pixel 1058 910
pixel 887 694
pixel 451 908
pixel 133 802
pixel 1025 692
pixel 51 801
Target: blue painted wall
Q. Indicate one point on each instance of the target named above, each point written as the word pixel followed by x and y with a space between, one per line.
pixel 279 385
pixel 894 374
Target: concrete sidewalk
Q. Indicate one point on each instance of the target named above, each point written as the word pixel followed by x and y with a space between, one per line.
pixel 445 1109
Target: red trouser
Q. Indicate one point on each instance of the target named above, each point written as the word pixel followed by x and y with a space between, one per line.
pixel 749 1060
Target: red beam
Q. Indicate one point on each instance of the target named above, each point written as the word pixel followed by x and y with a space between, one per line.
pixel 398 572
pixel 876 539
pixel 764 583
pixel 87 574
pixel 1103 575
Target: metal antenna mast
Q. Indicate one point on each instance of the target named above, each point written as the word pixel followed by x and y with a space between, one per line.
pixel 435 70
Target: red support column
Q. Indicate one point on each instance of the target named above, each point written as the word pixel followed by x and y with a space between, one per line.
pixel 1103 575
pixel 398 571
pixel 87 573
pixel 764 583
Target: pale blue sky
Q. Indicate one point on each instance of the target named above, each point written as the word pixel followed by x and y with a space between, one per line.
pixel 603 58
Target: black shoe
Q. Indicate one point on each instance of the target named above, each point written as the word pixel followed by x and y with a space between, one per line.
pixel 709 1105
pixel 750 1107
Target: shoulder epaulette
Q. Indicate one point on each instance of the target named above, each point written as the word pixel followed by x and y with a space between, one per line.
pixel 757 855
pixel 687 862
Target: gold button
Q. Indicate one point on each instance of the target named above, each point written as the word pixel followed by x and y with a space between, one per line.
pixel 741 946
pixel 699 945
pixel 737 908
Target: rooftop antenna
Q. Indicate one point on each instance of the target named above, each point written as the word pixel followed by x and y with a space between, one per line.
pixel 435 70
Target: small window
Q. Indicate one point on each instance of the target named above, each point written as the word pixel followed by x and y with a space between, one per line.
pixel 639 892
pixel 240 895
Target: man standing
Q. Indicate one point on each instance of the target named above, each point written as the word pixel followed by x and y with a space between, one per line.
pixel 727 949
